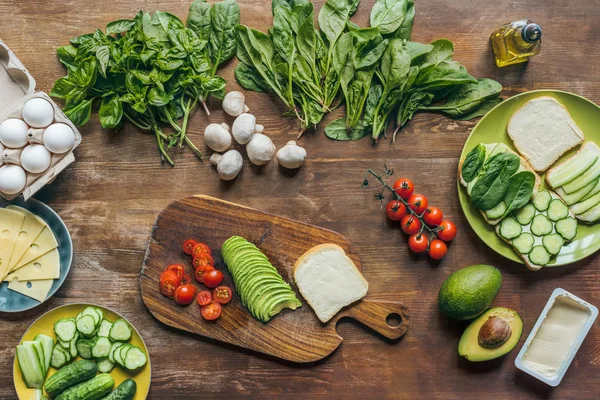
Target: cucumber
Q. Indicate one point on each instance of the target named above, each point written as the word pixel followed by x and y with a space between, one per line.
pixel 590 175
pixel 595 189
pixel 105 365
pixel 581 194
pixel 523 243
pixel 541 200
pixel 120 331
pixel 31 364
pixel 65 350
pixel 59 357
pixel 94 389
pixel 73 345
pixel 125 391
pixel 120 358
pixel 553 243
pixel 510 228
pixel 47 345
pixel 582 207
pixel 541 225
pixel 84 347
pixel 557 210
pixel 65 329
pixel 111 353
pixel 135 358
pixel 591 215
pixel 571 169
pixel 38 394
pixel 69 376
pixel 539 256
pixel 86 324
pixel 496 212
pixel 100 314
pixel 91 311
pixel 102 348
pixel 105 326
pixel 525 214
pixel 567 228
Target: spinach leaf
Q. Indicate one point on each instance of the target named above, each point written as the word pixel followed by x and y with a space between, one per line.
pixel 482 110
pixel 519 191
pixel 199 19
pixel 490 188
pixel 225 16
pixel 405 29
pixel 337 130
pixel 473 163
pixel 334 16
pixel 468 97
pixel 250 79
pixel 388 15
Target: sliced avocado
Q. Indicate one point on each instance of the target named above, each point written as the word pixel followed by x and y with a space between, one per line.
pixel 264 305
pixel 251 267
pixel 282 303
pixel 257 284
pixel 491 335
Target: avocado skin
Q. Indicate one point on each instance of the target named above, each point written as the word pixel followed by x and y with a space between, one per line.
pixel 469 291
pixel 468 346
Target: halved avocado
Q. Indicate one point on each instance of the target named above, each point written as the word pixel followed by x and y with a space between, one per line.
pixel 491 335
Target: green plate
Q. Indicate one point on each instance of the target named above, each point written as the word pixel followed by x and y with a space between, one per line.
pixel 492 129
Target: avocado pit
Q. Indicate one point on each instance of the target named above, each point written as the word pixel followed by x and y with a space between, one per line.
pixel 494 333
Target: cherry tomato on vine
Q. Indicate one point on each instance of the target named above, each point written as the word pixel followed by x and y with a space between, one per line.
pixel 178 269
pixel 418 203
pixel 203 259
pixel 447 231
pixel 410 224
pixel 211 311
pixel 188 246
pixel 404 188
pixel 200 248
pixel 204 297
pixel 437 249
pixel 222 294
pixel 213 278
pixel 433 216
pixel 418 243
pixel 202 271
pixel 185 294
pixel 395 210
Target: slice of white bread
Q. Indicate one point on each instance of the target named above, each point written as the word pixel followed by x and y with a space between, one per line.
pixel 542 130
pixel 328 280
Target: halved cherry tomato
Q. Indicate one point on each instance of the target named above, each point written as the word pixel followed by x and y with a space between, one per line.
pixel 178 269
pixel 204 297
pixel 404 188
pixel 433 216
pixel 203 259
pixel 213 278
pixel 395 210
pixel 201 272
pixel 185 294
pixel 418 243
pixel 410 224
pixel 447 231
pixel 211 311
pixel 418 203
pixel 222 294
pixel 169 281
pixel 188 246
pixel 201 248
pixel 186 279
pixel 437 249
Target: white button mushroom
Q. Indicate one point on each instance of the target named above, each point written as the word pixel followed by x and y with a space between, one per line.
pixel 291 155
pixel 234 103
pixel 35 158
pixel 244 127
pixel 38 113
pixel 13 133
pixel 217 137
pixel 12 179
pixel 260 149
pixel 228 165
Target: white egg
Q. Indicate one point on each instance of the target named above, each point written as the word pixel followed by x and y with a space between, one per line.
pixel 59 138
pixel 35 158
pixel 1 150
pixel 13 133
pixel 12 179
pixel 38 113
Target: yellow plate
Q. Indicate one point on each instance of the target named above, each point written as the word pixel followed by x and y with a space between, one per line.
pixel 45 325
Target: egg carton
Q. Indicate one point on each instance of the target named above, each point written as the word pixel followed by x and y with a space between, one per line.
pixel 17 86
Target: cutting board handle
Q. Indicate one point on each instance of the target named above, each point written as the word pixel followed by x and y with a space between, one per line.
pixel 374 314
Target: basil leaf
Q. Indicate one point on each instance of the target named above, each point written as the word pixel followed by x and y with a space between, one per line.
pixel 473 162
pixel 490 188
pixel 62 88
pixel 519 191
pixel 121 25
pixel 103 56
pixel 81 113
pixel 111 112
pixel 66 55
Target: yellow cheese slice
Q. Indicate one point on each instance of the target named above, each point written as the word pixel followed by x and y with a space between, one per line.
pixel 31 229
pixel 44 267
pixel 37 290
pixel 10 226
pixel 43 244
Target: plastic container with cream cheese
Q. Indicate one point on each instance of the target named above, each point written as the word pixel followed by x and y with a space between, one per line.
pixel 556 337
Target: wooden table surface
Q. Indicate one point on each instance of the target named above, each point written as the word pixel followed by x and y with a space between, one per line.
pixel 111 196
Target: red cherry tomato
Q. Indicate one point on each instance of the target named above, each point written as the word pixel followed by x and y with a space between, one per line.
pixel 437 249
pixel 178 269
pixel 204 297
pixel 404 188
pixel 186 279
pixel 201 248
pixel 433 216
pixel 395 210
pixel 188 246
pixel 203 259
pixel 222 294
pixel 410 224
pixel 447 231
pixel 213 278
pixel 201 272
pixel 418 203
pixel 418 243
pixel 211 311
pixel 169 281
pixel 185 294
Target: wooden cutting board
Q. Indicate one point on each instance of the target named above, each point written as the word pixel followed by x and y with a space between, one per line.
pixel 297 335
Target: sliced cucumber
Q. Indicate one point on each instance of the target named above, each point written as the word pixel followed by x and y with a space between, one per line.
pixel 86 324
pixel 553 243
pixel 590 175
pixel 105 365
pixel 578 195
pixel 539 256
pixel 510 228
pixel 541 225
pixel 65 329
pixel 524 242
pixel 135 358
pixel 123 354
pixel 595 189
pixel 496 212
pixel 31 365
pixel 105 326
pixel 91 311
pixel 525 214
pixel 101 348
pixel 557 210
pixel 567 228
pixel 585 205
pixel 59 357
pixel 113 348
pixel 47 344
pixel 541 200
pixel 73 345
pixel 571 169
pixel 38 394
pixel 120 331
pixel 591 215
pixel 84 347
pixel 118 353
pixel 100 314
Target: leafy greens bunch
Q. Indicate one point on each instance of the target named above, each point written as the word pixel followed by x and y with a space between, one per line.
pixel 152 70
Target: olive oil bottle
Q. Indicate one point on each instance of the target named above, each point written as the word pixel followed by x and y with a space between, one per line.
pixel 516 42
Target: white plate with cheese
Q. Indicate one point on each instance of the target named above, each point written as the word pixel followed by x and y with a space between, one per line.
pixel 35 254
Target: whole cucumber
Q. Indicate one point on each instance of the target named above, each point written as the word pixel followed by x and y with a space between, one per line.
pixel 94 389
pixel 70 375
pixel 125 391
